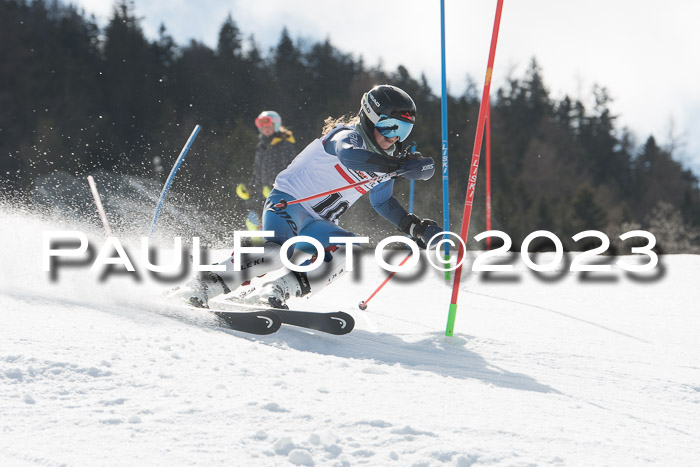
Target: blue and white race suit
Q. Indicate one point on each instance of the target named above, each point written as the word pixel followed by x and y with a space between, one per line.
pixel 340 158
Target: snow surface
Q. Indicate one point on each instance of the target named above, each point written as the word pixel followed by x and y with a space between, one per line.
pixel 568 369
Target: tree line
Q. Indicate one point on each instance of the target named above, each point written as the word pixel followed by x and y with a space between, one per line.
pixel 77 98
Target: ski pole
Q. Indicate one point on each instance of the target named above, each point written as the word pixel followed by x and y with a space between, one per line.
pixel 283 203
pixel 363 304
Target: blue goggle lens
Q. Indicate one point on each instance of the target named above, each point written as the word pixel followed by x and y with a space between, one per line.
pixel 390 127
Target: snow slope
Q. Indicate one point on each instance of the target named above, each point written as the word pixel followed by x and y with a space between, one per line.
pixel 564 370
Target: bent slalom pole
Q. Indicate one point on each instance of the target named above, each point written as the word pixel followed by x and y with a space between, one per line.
pixel 473 171
pixel 98 203
pixel 363 304
pixel 282 204
pixel 169 181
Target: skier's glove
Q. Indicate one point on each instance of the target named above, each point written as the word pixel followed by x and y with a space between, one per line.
pixel 420 168
pixel 266 191
pixel 412 152
pixel 422 231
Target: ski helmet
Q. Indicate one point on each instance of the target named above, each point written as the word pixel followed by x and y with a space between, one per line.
pixel 389 110
pixel 267 118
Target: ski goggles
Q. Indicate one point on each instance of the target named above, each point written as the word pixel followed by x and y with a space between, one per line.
pixel 391 127
pixel 261 122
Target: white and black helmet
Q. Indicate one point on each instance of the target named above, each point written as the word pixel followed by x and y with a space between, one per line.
pixel 389 110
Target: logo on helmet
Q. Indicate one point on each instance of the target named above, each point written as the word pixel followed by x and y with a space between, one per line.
pixel 374 99
pixel 367 108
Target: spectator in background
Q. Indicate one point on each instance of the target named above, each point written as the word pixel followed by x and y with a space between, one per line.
pixel 274 152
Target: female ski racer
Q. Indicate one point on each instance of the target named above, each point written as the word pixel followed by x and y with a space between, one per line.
pixel 362 148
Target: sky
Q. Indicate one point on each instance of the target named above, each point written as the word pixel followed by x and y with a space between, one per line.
pixel 644 53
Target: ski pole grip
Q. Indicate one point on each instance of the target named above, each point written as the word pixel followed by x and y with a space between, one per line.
pixel 281 205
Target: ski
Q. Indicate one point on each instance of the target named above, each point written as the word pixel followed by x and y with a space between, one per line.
pixel 334 322
pixel 254 322
pixel 337 322
pixel 269 320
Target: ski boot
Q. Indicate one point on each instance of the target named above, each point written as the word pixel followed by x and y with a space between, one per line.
pixel 276 288
pixel 198 290
pixel 273 293
pixel 207 285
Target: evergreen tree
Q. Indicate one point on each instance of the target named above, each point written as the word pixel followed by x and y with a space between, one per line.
pixel 291 79
pixel 229 45
pixel 586 213
pixel 129 81
pixel 327 65
pixel 658 178
pixel 76 98
pixel 230 75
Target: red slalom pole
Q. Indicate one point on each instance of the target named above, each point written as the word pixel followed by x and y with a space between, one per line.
pixel 473 171
pixel 363 303
pixel 488 172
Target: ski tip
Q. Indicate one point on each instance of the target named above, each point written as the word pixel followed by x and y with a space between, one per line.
pixel 345 321
pixel 362 305
pixel 260 322
pixel 272 323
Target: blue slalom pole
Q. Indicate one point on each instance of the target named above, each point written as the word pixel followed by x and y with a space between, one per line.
pixel 412 189
pixel 166 187
pixel 445 165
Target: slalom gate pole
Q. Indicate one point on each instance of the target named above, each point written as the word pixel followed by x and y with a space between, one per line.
pixel 412 185
pixel 169 181
pixel 98 203
pixel 282 204
pixel 473 171
pixel 488 172
pixel 445 165
pixel 363 303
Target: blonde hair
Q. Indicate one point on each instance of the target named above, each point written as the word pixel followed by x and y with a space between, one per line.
pixel 347 119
